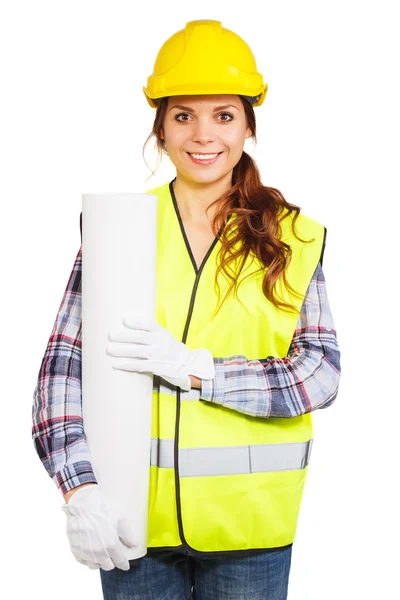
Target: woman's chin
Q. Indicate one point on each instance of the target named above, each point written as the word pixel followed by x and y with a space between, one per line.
pixel 204 176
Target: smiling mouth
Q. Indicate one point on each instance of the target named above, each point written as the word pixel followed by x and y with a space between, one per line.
pixel 203 156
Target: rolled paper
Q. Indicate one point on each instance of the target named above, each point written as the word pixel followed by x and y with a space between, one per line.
pixel 118 279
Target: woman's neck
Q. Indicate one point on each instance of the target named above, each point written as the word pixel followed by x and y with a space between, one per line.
pixel 193 198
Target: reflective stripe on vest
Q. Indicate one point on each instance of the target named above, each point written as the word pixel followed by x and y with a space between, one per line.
pixel 195 462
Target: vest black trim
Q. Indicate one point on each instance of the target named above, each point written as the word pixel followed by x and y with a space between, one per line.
pixel 218 554
pixel 198 272
pixel 323 248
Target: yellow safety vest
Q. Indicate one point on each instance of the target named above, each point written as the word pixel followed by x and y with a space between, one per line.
pixel 220 480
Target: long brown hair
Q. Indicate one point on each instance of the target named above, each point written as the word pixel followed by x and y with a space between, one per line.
pixel 258 211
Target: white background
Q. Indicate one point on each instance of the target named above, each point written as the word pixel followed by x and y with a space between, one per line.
pixel 74 120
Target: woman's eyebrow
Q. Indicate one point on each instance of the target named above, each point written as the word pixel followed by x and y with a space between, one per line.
pixel 181 107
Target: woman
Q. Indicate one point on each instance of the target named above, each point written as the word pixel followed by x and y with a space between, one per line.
pixel 243 349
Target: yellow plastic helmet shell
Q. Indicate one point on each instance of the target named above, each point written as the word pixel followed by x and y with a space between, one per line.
pixel 205 58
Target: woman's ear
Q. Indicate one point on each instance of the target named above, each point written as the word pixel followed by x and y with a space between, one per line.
pixel 248 133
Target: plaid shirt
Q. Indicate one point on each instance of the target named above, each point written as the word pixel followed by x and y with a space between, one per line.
pixel 306 379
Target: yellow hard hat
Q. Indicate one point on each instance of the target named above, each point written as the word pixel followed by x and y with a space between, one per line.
pixel 205 58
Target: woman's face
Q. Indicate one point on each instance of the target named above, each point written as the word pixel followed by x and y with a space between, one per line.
pixel 198 126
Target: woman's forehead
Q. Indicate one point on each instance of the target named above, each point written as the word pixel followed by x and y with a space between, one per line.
pixel 205 100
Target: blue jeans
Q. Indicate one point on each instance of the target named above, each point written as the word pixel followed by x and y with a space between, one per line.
pixel 171 575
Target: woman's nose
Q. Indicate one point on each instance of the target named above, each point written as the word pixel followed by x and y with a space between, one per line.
pixel 203 132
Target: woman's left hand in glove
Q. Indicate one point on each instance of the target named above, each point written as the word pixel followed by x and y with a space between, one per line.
pixel 144 346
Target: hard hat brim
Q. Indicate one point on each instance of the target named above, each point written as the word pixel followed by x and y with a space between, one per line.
pixel 255 100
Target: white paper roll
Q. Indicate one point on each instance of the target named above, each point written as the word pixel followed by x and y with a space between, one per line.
pixel 118 278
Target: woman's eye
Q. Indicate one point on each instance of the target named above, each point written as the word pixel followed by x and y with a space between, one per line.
pixel 226 115
pixel 181 115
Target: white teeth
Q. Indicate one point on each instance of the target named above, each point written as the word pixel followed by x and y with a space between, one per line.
pixel 204 156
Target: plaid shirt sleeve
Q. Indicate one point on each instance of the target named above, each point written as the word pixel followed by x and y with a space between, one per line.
pixel 57 424
pixel 305 380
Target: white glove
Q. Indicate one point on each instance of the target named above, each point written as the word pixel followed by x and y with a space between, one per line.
pixel 96 532
pixel 147 347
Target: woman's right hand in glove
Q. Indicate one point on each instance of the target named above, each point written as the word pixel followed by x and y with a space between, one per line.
pixel 96 532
